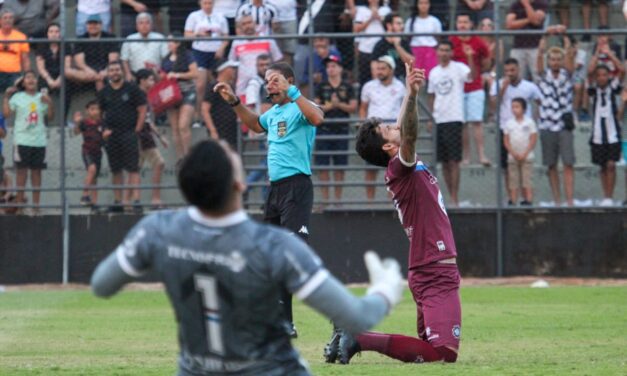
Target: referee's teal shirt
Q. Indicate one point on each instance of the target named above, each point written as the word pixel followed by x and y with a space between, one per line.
pixel 290 141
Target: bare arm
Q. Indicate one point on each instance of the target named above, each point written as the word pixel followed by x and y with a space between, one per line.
pixel 408 120
pixel 141 117
pixel 511 23
pixel 406 56
pixel 349 107
pixel 540 58
pixel 3 133
pixel 571 53
pixel 41 67
pixel 205 111
pixel 533 138
pixel 127 70
pixel 535 17
pixel 25 62
pixel 363 110
pixel 310 110
pixel 6 108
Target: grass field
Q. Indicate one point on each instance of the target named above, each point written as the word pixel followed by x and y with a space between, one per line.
pixel 506 331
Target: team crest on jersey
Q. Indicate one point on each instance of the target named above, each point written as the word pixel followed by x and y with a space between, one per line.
pixel 457 332
pixel 281 128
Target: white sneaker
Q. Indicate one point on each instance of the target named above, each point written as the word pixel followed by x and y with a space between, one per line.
pixel 606 202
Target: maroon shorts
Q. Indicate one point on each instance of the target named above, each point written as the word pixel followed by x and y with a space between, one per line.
pixel 435 288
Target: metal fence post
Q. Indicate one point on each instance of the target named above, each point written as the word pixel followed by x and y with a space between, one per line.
pixel 499 170
pixel 65 213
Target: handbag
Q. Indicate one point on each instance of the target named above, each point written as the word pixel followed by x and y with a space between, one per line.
pixel 164 95
pixel 569 121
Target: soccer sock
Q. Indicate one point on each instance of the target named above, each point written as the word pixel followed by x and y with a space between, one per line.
pixel 404 348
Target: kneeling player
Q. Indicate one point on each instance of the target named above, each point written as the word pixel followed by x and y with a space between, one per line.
pixel 224 272
pixel 433 276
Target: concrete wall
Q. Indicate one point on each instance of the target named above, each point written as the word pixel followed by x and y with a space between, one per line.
pixel 558 243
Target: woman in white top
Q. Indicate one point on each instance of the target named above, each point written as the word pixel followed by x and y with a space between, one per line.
pixel 206 23
pixel 423 47
pixel 368 20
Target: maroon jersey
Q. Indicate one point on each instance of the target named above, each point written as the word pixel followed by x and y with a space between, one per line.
pixel 92 136
pixel 420 207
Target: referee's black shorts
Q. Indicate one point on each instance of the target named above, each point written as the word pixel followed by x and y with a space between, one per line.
pixel 289 204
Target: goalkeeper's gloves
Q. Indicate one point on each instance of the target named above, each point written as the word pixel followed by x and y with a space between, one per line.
pixel 385 278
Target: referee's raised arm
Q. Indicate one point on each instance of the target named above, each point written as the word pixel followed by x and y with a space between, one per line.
pixel 248 117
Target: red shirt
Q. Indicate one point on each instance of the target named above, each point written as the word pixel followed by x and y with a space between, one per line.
pixel 92 136
pixel 420 207
pixel 481 52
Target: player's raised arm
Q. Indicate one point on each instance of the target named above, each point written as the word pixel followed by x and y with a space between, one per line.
pixel 408 118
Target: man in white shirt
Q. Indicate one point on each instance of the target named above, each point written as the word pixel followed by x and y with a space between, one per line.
pixel 381 98
pixel 145 54
pixel 286 22
pixel 446 101
pixel 245 51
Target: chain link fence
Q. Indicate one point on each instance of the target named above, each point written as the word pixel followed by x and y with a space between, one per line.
pixel 114 103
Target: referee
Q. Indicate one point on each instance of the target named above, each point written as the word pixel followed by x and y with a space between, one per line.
pixel 290 126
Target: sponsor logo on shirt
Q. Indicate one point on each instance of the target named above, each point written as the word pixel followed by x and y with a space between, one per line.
pixel 457 332
pixel 441 245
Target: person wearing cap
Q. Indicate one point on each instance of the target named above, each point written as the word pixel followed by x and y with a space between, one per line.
pixel 291 128
pixel 381 98
pixel 86 8
pixel 337 99
pixel 219 117
pixel 91 59
pixel 396 47
pixel 322 49
pixel 446 102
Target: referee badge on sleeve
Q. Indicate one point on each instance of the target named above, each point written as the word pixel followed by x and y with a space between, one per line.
pixel 282 128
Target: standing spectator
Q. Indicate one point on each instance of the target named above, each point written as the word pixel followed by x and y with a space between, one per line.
pixel 322 50
pixel 139 51
pixel 258 100
pixel 563 8
pixel 5 180
pixel 556 125
pixel 206 22
pixel 148 150
pixel 130 9
pixel 124 108
pixel 526 15
pixel 446 101
pixel 423 46
pixel 219 117
pixel 179 65
pixel 30 110
pixel 471 51
pixel 511 86
pixel 14 57
pixel 493 45
pixel 91 150
pixel 608 53
pixel 368 20
pixel 290 125
pixel 86 8
pixel 32 16
pixel 263 14
pixel 227 8
pixel 245 51
pixel 477 9
pixel 336 98
pixel 521 135
pixel 381 98
pixel 605 139
pixel 395 47
pixel 286 22
pixel 91 59
pixel 48 60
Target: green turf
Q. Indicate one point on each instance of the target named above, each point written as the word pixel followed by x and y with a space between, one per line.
pixel 506 331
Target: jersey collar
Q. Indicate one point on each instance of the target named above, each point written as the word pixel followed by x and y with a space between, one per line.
pixel 224 221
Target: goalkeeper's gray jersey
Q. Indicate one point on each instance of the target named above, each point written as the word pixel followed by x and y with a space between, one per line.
pixel 223 278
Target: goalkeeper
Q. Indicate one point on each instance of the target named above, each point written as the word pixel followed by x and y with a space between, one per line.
pixel 223 273
pixel 433 276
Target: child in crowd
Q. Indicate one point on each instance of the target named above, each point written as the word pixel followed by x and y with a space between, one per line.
pixel 605 139
pixel 91 130
pixel 423 47
pixel 520 137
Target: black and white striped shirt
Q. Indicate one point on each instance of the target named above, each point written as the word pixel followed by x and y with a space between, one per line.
pixel 605 125
pixel 263 15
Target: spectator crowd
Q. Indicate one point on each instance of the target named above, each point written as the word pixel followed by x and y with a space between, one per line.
pixel 550 82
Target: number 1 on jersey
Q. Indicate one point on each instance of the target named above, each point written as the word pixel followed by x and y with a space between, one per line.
pixel 208 287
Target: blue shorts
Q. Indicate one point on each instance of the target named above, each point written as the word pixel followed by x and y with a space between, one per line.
pixel 332 145
pixel 204 60
pixel 474 105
